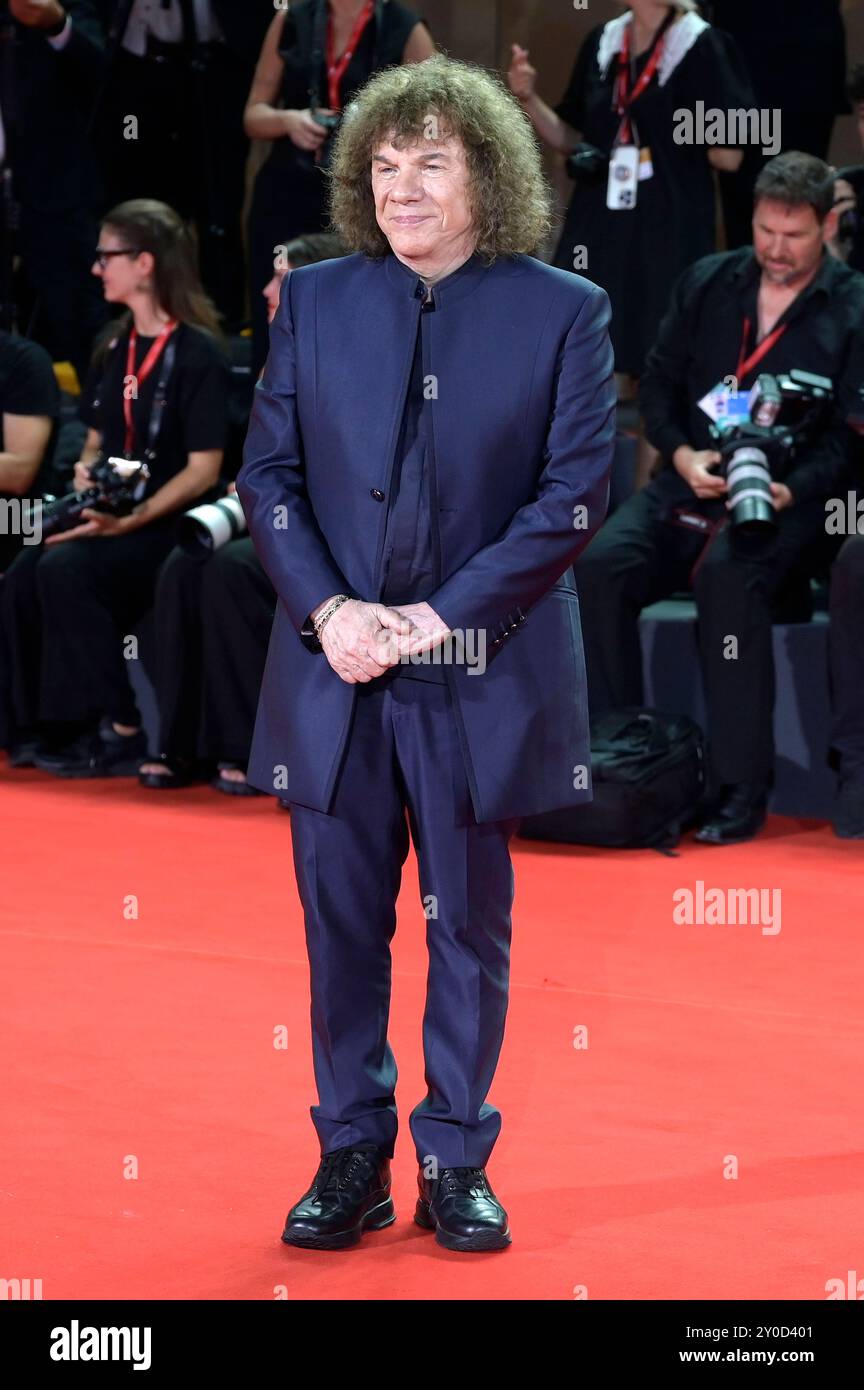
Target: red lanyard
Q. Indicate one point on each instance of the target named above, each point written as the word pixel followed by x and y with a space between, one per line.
pixel 624 98
pixel 139 377
pixel 335 71
pixel 746 365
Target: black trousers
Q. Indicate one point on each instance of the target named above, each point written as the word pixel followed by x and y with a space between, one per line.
pixel 403 769
pixel 846 647
pixel 189 151
pixel 644 553
pixel 65 612
pixel 213 619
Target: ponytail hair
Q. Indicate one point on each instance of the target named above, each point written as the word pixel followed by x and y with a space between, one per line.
pixel 148 225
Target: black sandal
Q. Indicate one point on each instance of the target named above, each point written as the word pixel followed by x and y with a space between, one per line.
pixel 229 787
pixel 181 773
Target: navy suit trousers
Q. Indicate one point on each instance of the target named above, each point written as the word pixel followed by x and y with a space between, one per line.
pixel 403 768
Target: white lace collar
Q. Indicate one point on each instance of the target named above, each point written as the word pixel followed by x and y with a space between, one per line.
pixel 680 38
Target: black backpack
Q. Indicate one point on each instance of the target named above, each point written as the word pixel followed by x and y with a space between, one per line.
pixel 648 773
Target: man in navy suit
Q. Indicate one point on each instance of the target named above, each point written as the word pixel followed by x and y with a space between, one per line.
pixel 429 451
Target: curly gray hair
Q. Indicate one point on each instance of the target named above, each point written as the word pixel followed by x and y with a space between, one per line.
pixel 510 201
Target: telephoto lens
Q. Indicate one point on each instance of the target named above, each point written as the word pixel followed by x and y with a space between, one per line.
pixel 210 526
pixel 748 496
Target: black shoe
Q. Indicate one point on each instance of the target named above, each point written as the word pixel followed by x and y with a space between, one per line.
pixel 51 756
pixel 349 1194
pixel 228 786
pixel 460 1206
pixel 24 754
pixel 848 818
pixel 739 815
pixel 101 754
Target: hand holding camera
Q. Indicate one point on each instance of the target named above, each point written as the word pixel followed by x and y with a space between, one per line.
pixel 695 467
pixel 309 129
pixel 106 492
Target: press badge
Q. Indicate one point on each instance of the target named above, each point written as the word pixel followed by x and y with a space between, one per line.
pixel 726 408
pixel 623 178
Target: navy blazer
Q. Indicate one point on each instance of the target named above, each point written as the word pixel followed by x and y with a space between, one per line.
pixel 522 410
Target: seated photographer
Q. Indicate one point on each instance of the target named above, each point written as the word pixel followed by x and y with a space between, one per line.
pixel 29 408
pixel 213 613
pixel 157 393
pixel 780 305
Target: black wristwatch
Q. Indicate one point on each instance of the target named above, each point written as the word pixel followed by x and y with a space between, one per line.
pixel 307 635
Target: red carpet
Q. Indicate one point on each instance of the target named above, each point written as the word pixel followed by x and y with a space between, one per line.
pixel 148 1040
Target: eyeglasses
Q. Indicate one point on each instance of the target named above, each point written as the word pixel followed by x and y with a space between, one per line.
pixel 102 255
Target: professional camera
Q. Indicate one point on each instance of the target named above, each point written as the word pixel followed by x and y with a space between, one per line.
pixel 330 123
pixel 782 413
pixel 586 164
pixel 210 526
pixel 116 485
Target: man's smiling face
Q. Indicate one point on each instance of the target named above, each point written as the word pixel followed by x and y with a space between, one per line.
pixel 421 199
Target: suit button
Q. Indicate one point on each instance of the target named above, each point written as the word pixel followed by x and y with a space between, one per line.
pixel 377 494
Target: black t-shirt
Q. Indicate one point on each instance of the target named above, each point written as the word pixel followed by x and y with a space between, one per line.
pixel 27 382
pixel 196 405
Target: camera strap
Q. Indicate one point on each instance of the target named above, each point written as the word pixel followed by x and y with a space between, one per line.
pixel 746 364
pixel 165 337
pixel 157 409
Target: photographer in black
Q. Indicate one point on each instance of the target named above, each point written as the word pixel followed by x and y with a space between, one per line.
pixel 158 393
pixel 783 304
pixel 315 57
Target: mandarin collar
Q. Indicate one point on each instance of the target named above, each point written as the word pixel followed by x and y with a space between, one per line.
pixel 460 282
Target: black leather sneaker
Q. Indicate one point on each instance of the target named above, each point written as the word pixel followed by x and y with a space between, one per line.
pixel 460 1206
pixel 349 1194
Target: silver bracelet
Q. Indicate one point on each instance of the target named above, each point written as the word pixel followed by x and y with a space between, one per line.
pixel 318 623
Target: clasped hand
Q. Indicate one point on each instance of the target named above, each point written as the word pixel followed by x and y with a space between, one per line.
pixel 363 640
